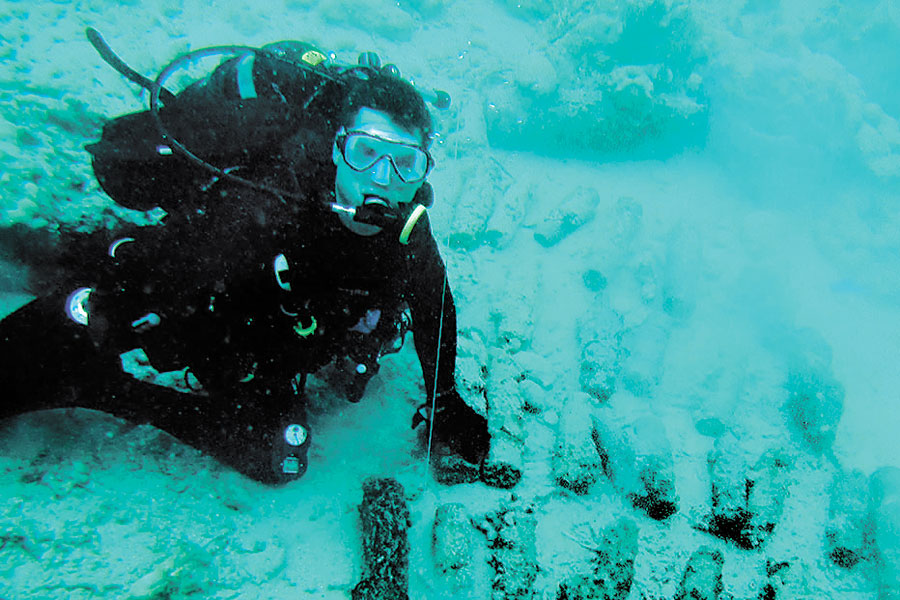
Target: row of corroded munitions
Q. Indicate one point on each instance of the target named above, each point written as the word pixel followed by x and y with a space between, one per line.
pixel 609 573
pixel 637 457
pixel 748 491
pixel 511 553
pixel 747 496
pixel 495 224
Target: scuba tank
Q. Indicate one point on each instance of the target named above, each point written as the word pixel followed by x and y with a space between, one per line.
pixel 249 104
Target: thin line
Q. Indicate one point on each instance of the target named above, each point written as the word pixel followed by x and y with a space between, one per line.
pixel 437 367
pixel 437 364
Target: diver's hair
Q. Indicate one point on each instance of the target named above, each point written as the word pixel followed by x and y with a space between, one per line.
pixel 368 88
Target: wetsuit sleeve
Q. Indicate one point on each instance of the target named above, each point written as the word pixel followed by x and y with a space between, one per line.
pixel 434 316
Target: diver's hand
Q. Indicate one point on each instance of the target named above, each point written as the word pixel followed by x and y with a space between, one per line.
pixel 463 431
pixel 459 429
pixel 460 439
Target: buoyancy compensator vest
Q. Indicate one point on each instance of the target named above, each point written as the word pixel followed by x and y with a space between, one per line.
pixel 251 103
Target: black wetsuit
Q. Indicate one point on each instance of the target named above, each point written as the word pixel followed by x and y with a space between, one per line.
pixel 248 327
pixel 211 280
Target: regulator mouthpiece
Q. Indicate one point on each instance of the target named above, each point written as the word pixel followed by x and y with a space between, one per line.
pixel 383 216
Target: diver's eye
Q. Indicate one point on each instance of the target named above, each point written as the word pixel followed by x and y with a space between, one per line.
pixel 366 150
pixel 405 160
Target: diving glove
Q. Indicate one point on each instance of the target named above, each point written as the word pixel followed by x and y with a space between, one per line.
pixel 458 429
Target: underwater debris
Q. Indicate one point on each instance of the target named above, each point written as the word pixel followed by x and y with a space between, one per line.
pixel 702 578
pixel 511 536
pixel 576 463
pixel 385 520
pixel 453 547
pixel 602 354
pixel 186 571
pixel 848 519
pixel 638 459
pixel 815 404
pixel 564 218
pixel 614 549
pixel 747 502
pixel 504 464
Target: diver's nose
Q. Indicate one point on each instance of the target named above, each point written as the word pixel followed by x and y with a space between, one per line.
pixel 381 171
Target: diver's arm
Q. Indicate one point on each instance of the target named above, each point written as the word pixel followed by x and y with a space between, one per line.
pixel 457 426
pixel 434 315
pixel 438 361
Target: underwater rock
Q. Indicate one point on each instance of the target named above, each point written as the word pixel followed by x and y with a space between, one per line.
pixel 614 93
pixel 614 550
pixel 747 501
pixel 702 578
pixel 594 280
pixel 814 405
pixel 511 536
pixel 600 337
pixel 453 547
pixel 884 507
pixel 575 210
pixel 576 463
pixel 534 73
pixel 710 427
pixel 638 460
pixel 388 20
pixel 385 520
pixel 564 122
pixel 848 514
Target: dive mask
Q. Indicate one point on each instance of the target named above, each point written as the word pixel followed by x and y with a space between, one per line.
pixel 361 150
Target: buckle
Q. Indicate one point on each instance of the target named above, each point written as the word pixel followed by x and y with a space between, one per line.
pixel 423 414
pixel 290 465
pixel 302 331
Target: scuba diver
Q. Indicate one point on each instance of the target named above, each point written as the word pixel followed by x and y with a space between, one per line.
pixel 295 237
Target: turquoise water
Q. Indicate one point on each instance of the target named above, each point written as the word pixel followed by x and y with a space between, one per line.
pixel 672 224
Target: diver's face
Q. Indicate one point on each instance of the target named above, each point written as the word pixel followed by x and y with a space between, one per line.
pixel 380 181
